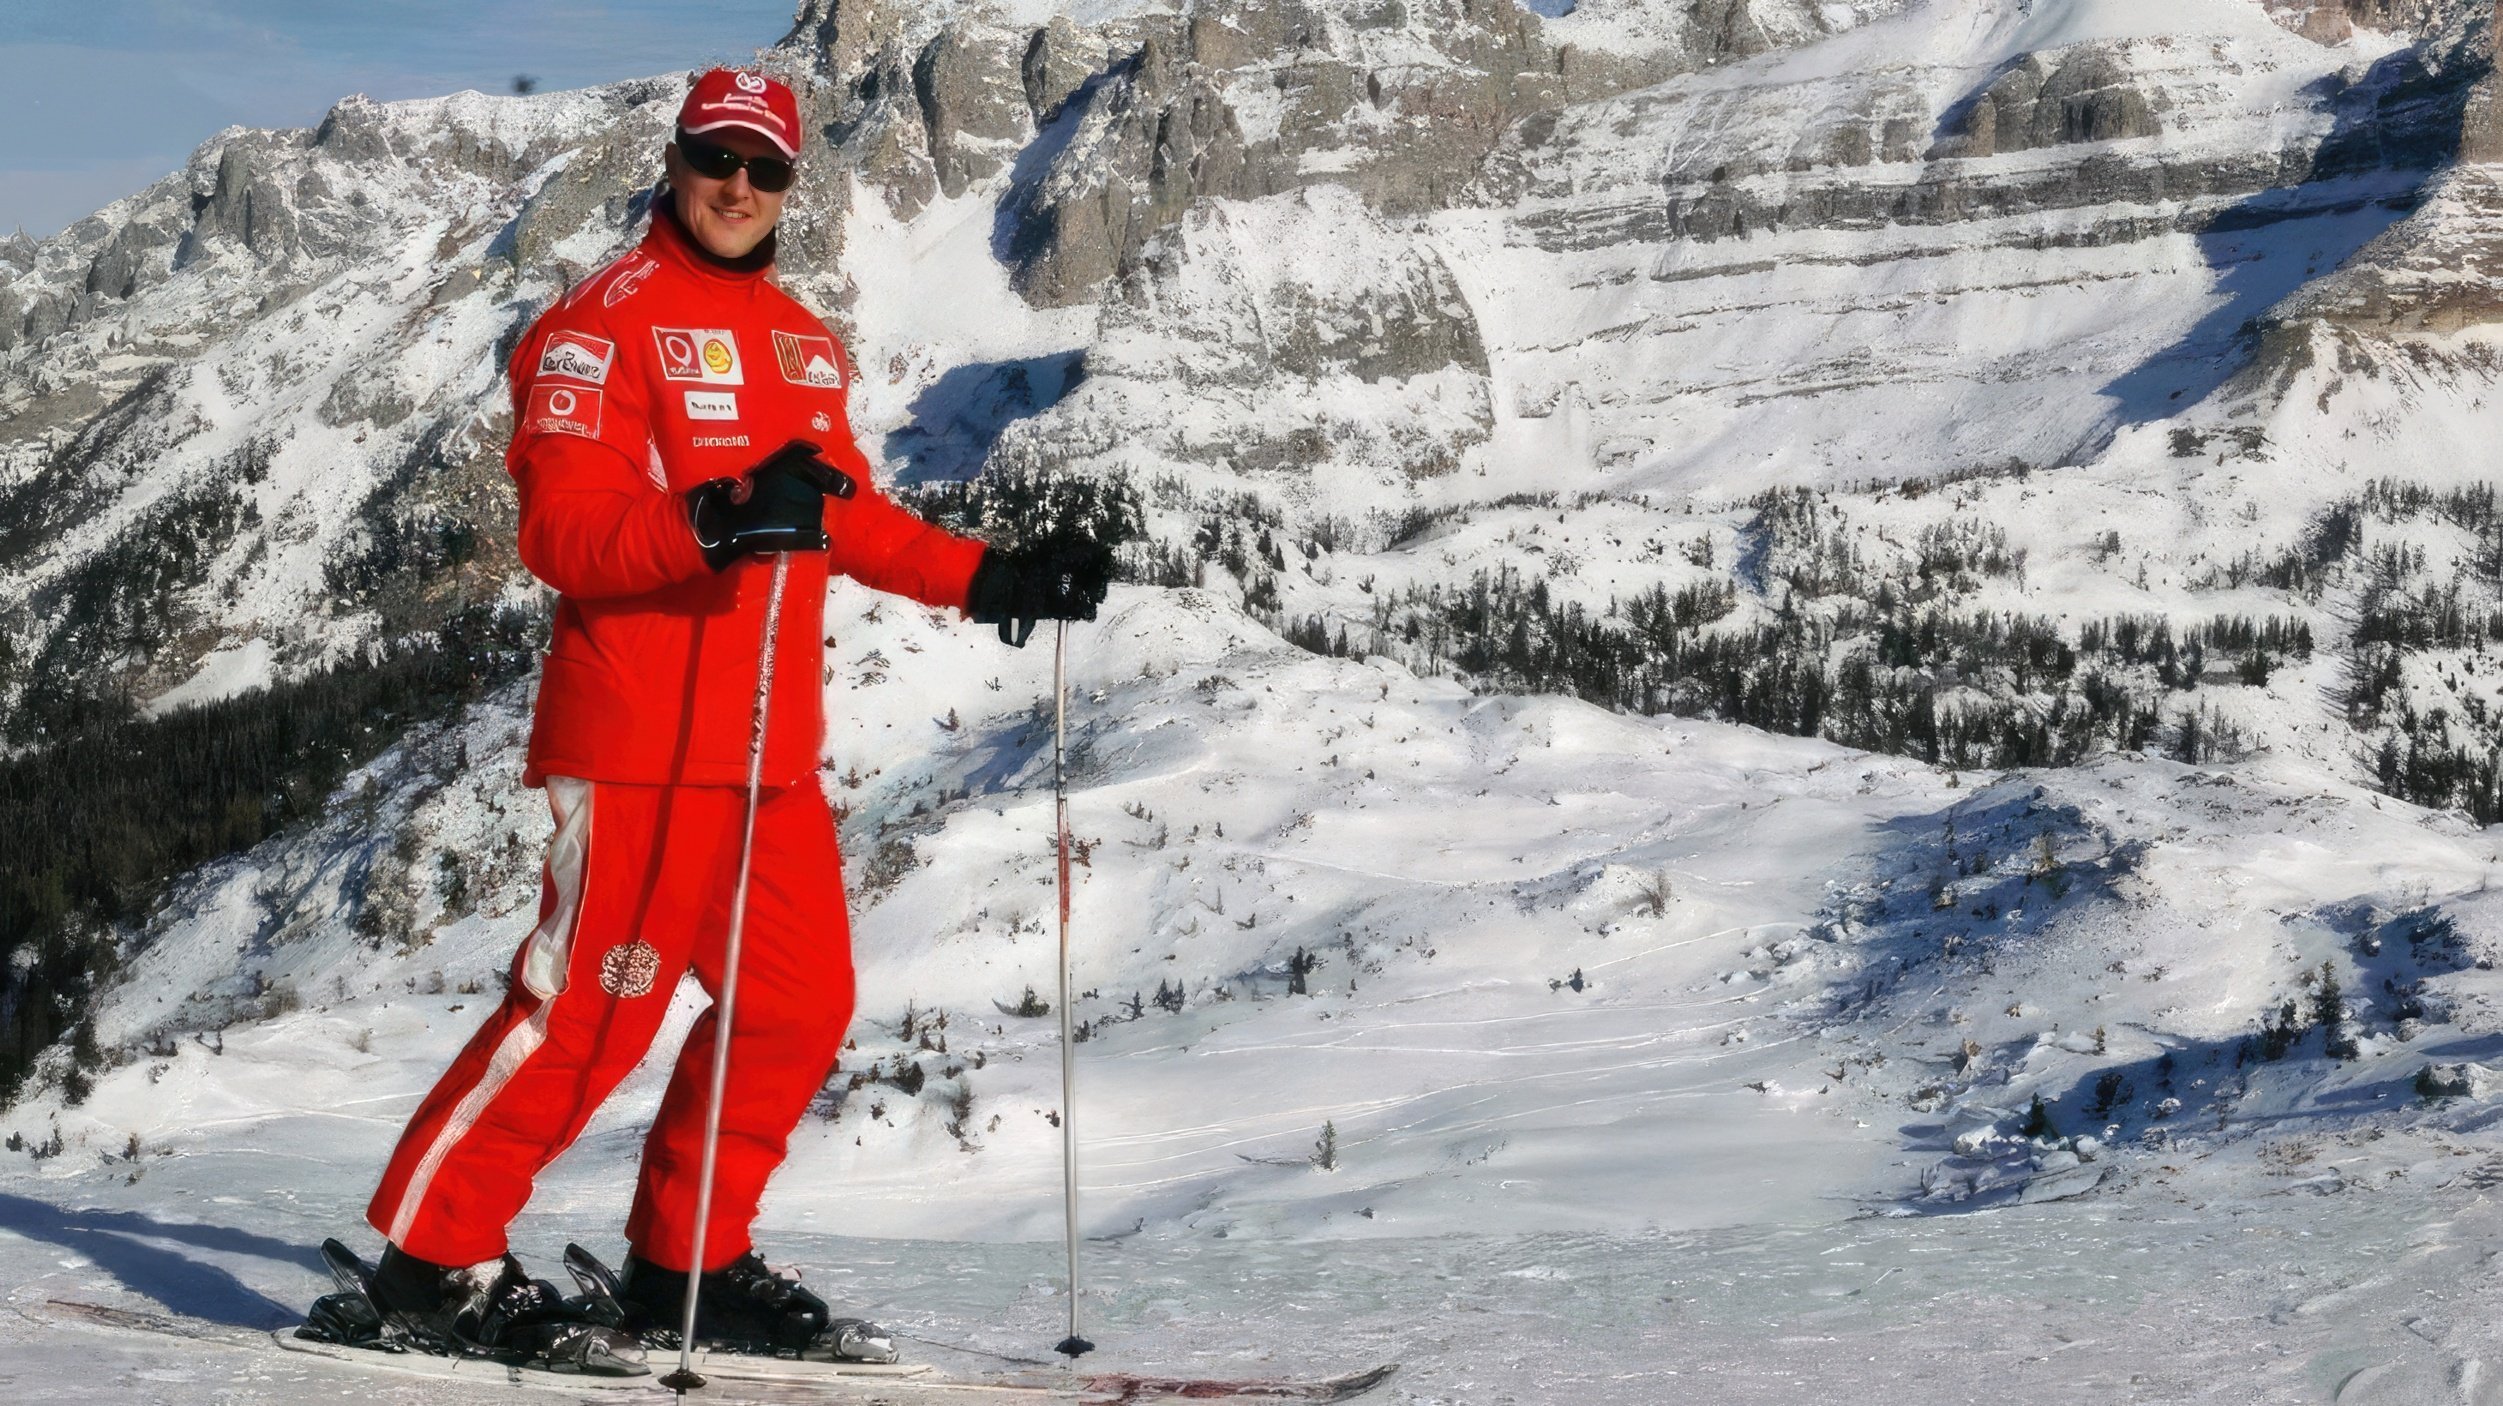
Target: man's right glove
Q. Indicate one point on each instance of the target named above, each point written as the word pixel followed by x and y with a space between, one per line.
pixel 1057 578
pixel 778 506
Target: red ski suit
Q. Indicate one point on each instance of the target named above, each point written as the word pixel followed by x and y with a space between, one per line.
pixel 662 371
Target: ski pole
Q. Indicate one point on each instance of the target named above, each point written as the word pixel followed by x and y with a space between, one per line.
pixel 685 1379
pixel 1073 1345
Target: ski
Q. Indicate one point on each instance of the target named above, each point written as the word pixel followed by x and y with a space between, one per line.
pixel 741 1377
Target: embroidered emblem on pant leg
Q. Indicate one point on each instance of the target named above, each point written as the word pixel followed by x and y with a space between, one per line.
pixel 629 969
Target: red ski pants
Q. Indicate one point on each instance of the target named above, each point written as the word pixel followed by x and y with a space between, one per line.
pixel 637 891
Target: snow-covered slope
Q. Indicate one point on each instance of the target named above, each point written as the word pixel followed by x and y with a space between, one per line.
pixel 1854 567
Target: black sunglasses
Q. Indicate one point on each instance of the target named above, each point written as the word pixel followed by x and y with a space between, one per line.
pixel 770 174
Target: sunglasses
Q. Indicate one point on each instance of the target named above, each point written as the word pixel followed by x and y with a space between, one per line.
pixel 770 174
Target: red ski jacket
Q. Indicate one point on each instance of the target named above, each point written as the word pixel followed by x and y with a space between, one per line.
pixel 662 371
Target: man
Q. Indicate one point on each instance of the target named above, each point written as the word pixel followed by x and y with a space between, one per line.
pixel 678 420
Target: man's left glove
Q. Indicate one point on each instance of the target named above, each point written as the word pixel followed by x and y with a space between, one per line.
pixel 777 506
pixel 1057 578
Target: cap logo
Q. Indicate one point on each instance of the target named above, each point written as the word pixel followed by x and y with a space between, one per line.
pixel 725 97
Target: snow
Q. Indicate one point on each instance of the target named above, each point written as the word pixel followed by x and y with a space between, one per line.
pixel 1665 1060
pixel 222 674
pixel 1649 1176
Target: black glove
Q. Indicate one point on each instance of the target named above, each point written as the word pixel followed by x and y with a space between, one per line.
pixel 778 506
pixel 1058 578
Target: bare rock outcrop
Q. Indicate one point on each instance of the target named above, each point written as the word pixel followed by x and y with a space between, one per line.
pixel 1059 60
pixel 2038 101
pixel 2335 21
pixel 1302 330
pixel 975 109
pixel 243 203
pixel 1141 147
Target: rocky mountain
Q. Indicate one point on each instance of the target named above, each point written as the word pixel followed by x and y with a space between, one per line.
pixel 2014 478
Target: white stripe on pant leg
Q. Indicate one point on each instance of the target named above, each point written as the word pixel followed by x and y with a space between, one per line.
pixel 550 946
pixel 546 951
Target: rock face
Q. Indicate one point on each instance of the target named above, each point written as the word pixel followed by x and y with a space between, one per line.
pixel 1289 220
pixel 1059 60
pixel 245 204
pixel 1141 147
pixel 2481 125
pixel 257 401
pixel 2082 96
pixel 974 105
pixel 131 261
pixel 1322 349
pixel 1849 165
pixel 2439 111
pixel 2335 21
pixel 1400 101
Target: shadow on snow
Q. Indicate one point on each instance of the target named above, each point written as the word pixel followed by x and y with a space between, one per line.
pixel 129 1247
pixel 2392 133
pixel 960 417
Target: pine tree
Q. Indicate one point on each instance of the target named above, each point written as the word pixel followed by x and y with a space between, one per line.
pixel 2038 1122
pixel 2279 1035
pixel 2329 1011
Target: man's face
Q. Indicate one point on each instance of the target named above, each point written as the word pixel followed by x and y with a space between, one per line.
pixel 730 217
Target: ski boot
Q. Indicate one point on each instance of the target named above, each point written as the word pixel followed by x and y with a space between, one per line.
pixel 495 1310
pixel 745 1307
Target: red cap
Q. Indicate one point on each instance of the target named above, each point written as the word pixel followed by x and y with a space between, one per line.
pixel 731 98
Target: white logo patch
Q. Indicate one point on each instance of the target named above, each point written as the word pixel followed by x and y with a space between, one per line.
pixel 749 83
pixel 577 356
pixel 706 354
pixel 563 410
pixel 808 361
pixel 821 422
pixel 719 441
pixel 712 405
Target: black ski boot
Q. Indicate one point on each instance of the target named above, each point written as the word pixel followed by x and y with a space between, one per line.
pixel 745 1307
pixel 495 1310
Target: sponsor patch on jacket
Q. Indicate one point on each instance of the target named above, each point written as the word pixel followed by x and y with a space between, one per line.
pixel 719 441
pixel 707 354
pixel 571 410
pixel 712 405
pixel 808 361
pixel 577 356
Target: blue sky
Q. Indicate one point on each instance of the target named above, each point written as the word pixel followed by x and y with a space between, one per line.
pixel 101 97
